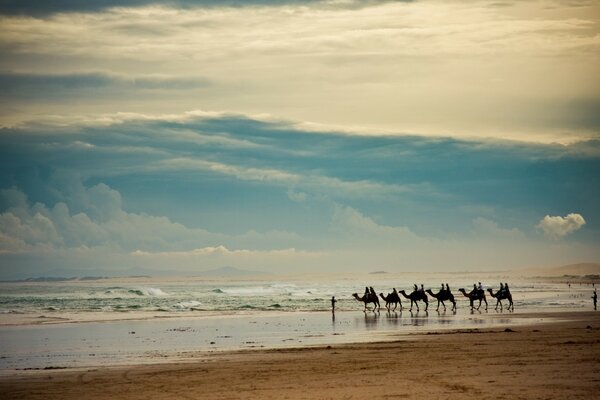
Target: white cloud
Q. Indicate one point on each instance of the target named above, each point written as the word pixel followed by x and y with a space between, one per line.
pixel 222 251
pixel 557 227
pixel 299 197
pixel 491 228
pixel 351 223
pixel 380 64
pixel 100 221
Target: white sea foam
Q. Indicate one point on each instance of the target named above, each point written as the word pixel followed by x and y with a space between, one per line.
pixel 148 291
pixel 187 305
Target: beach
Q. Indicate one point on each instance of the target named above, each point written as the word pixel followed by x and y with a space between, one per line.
pixel 556 359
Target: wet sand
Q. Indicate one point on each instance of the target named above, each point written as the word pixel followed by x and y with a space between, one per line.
pixel 554 360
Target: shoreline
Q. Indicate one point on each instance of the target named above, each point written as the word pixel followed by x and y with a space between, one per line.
pixel 97 344
pixel 555 359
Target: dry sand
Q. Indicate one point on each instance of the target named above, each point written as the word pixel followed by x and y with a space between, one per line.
pixel 559 360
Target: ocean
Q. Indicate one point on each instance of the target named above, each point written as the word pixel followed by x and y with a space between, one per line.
pixel 82 323
pixel 172 296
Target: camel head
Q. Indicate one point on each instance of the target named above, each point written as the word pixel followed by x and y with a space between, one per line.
pixel 430 292
pixel 355 295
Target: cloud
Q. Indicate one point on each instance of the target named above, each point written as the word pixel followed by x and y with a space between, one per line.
pixel 351 223
pixel 378 64
pixel 38 86
pixel 557 227
pixel 36 8
pixel 491 229
pixel 194 184
pixel 222 251
pixel 102 222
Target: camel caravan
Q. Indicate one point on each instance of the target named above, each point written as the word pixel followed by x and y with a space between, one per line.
pixel 442 296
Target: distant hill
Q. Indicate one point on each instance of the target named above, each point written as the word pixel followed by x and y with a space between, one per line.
pixel 59 279
pixel 580 269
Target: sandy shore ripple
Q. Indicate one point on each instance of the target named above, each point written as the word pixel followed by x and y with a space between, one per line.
pixel 558 360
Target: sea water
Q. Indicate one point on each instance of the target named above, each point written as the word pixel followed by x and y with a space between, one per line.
pixel 116 321
pixel 173 296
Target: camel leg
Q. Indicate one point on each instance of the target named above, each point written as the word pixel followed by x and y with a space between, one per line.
pixel 486 304
pixel 426 306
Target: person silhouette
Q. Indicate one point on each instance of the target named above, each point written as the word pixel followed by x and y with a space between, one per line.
pixel 415 287
pixel 595 298
pixel 447 287
pixel 333 301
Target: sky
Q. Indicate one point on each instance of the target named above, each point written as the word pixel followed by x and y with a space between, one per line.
pixel 289 136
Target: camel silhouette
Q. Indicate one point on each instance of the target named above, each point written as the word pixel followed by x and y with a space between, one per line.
pixel 391 298
pixel 414 297
pixel 502 295
pixel 368 298
pixel 441 296
pixel 475 295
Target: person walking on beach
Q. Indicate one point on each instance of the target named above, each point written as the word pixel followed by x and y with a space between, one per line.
pixel 595 298
pixel 333 301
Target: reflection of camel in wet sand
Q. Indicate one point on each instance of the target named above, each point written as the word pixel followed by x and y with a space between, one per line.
pixel 391 298
pixel 502 295
pixel 414 297
pixel 368 298
pixel 475 295
pixel 442 296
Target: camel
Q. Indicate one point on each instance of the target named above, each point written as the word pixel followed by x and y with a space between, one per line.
pixel 368 298
pixel 414 297
pixel 391 298
pixel 475 295
pixel 502 295
pixel 441 296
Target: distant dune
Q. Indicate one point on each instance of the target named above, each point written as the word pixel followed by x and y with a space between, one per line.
pixel 581 269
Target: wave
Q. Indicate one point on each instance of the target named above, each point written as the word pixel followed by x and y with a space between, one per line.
pixel 249 291
pixel 187 305
pixel 148 292
pixel 217 291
